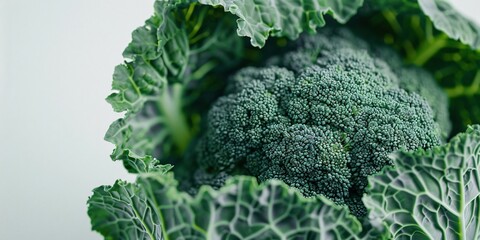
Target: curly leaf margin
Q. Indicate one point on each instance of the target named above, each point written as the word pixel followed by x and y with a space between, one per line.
pixel 433 194
pixel 258 19
pixel 153 208
pixel 448 20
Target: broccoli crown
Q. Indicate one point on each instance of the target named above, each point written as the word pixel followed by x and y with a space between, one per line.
pixel 410 78
pixel 321 125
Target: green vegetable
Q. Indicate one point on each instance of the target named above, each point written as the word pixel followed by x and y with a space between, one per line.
pixel 433 194
pixel 322 129
pixel 258 19
pixel 248 119
pixel 241 209
pixel 431 34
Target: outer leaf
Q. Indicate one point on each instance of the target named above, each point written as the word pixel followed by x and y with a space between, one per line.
pixel 139 139
pixel 244 210
pixel 122 211
pixel 173 205
pixel 241 209
pixel 257 19
pixel 152 59
pixel 451 22
pixel 162 64
pixel 431 194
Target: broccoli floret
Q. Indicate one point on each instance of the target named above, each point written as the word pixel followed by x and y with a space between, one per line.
pixel 322 126
pixel 417 80
pixel 241 117
pixel 411 78
pixel 313 159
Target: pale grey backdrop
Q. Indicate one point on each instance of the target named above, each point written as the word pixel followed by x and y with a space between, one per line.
pixel 56 62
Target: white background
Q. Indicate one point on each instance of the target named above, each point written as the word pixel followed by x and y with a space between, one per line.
pixel 56 62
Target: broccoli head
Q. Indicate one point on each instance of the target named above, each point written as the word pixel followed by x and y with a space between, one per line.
pixel 321 124
pixel 410 78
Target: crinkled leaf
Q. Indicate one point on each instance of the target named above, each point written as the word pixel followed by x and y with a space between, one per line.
pixel 145 42
pixel 155 125
pixel 139 139
pixel 432 194
pixel 257 19
pixel 122 211
pixel 451 22
pixel 157 55
pixel 241 209
pixel 244 210
pixel 136 82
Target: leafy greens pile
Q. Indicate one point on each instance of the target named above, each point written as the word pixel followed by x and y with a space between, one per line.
pixel 296 120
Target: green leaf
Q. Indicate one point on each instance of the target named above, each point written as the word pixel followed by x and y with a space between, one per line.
pixel 136 82
pixel 166 63
pixel 257 19
pixel 432 194
pixel 241 209
pixel 156 56
pixel 140 139
pixel 145 42
pixel 448 20
pixel 122 211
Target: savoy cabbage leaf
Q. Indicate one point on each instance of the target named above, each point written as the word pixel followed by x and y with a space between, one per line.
pixel 258 19
pixel 153 208
pixel 161 59
pixel 123 212
pixel 451 22
pixel 157 54
pixel 433 194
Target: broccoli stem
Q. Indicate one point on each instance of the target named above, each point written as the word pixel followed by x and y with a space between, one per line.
pixel 391 18
pixel 170 106
pixel 461 90
pixel 428 49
